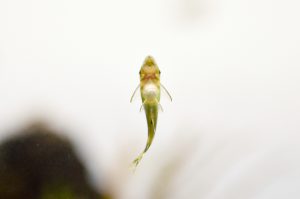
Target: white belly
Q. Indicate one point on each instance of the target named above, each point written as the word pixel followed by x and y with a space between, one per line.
pixel 150 92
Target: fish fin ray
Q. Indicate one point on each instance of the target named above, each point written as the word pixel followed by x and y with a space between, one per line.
pixel 166 91
pixel 160 107
pixel 137 160
pixel 142 108
pixel 134 94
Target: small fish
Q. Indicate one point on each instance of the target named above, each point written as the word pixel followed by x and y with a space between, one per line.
pixel 150 89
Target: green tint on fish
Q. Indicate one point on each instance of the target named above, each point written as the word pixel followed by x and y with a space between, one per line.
pixel 150 88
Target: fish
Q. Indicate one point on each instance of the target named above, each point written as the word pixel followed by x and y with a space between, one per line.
pixel 150 89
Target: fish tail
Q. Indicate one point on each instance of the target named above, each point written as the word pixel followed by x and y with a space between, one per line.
pixel 151 115
pixel 137 160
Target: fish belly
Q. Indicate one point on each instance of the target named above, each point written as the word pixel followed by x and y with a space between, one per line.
pixel 150 92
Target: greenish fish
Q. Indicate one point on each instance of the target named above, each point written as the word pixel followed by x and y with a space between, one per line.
pixel 150 89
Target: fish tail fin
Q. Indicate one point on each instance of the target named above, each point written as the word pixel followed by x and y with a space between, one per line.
pixel 151 133
pixel 137 160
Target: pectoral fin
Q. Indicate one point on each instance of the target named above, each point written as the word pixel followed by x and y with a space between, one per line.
pixel 134 93
pixel 166 91
pixel 160 107
pixel 142 107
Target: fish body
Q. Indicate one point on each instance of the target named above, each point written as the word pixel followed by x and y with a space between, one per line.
pixel 150 94
pixel 150 88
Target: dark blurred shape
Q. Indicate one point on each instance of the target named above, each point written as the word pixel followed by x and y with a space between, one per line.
pixel 37 164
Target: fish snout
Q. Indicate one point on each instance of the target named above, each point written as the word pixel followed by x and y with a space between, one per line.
pixel 149 61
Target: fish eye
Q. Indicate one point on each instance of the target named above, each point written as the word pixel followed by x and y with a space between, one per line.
pixel 140 72
pixel 159 71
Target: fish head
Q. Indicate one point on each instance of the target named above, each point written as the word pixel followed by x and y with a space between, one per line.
pixel 149 69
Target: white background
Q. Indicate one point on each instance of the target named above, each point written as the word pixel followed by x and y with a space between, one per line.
pixel 231 66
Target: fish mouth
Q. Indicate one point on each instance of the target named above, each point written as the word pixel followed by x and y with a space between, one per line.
pixel 149 61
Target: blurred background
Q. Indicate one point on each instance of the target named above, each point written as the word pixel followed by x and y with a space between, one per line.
pixel 67 72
